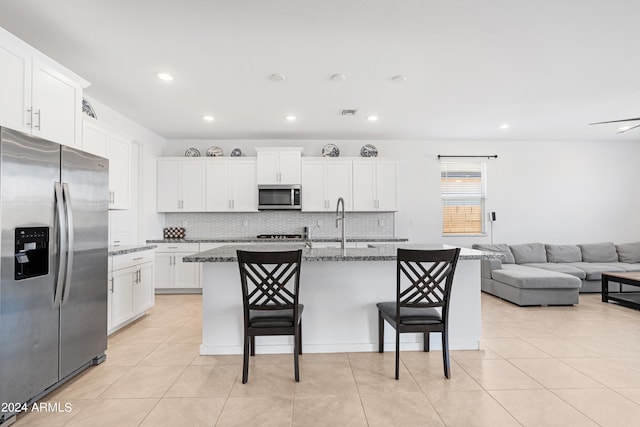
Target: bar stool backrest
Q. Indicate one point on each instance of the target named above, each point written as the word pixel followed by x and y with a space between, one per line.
pixel 425 278
pixel 270 280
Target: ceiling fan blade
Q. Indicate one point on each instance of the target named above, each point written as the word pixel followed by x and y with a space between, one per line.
pixel 627 130
pixel 616 121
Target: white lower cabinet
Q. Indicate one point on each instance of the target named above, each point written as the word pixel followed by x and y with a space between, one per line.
pixel 130 291
pixel 173 274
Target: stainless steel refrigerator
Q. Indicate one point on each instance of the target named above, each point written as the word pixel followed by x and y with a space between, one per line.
pixel 53 289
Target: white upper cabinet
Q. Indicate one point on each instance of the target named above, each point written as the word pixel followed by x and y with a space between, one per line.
pixel 15 87
pixel 324 181
pixel 231 185
pixel 100 139
pixel 279 165
pixel 181 185
pixel 374 185
pixel 38 96
pixel 56 104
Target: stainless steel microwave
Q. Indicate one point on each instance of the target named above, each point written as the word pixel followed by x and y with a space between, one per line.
pixel 279 197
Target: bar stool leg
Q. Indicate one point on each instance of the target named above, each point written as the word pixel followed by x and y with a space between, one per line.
pixel 245 360
pixel 380 333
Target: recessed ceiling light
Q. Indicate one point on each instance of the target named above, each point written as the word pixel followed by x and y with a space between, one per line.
pixel 399 78
pixel 166 77
pixel 277 77
pixel 208 118
pixel 505 126
pixel 338 77
pixel 372 118
pixel 624 128
pixel 290 118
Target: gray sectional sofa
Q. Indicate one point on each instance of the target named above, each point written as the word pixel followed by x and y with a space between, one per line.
pixel 544 274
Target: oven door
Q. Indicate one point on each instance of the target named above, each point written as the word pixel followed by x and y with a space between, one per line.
pixel 279 197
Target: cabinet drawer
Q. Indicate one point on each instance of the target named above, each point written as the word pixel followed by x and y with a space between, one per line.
pixel 178 247
pixel 129 260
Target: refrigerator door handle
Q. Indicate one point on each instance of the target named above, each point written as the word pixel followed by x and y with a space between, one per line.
pixel 70 241
pixel 62 245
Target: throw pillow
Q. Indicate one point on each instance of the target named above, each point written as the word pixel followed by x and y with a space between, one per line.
pixel 529 253
pixel 599 252
pixel 629 252
pixel 563 253
pixel 501 248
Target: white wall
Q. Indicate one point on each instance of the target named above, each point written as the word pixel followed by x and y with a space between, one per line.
pixel 141 222
pixel 551 192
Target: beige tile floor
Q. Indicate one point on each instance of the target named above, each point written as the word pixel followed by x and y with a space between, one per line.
pixel 539 366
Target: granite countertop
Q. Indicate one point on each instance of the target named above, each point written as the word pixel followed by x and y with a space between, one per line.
pixel 256 240
pixel 379 252
pixel 129 249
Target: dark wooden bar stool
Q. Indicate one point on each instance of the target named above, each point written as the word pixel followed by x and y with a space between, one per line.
pixel 270 284
pixel 424 279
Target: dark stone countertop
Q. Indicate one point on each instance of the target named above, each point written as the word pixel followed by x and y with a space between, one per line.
pixel 256 240
pixel 378 252
pixel 129 249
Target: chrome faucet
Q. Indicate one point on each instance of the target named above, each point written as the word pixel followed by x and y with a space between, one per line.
pixel 340 218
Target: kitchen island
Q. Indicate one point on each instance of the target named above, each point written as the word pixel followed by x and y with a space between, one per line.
pixel 340 289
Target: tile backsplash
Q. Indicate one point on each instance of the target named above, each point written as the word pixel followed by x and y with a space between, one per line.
pixel 250 224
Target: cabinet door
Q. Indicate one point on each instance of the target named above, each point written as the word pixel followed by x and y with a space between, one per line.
pixel 143 294
pixel 290 167
pixel 168 186
pixel 95 138
pixel 57 106
pixel 338 183
pixel 15 88
pixel 217 186
pixel 244 188
pixel 364 191
pixel 187 274
pixel 268 167
pixel 313 180
pixel 119 154
pixel 164 271
pixel 386 183
pixel 122 296
pixel 192 179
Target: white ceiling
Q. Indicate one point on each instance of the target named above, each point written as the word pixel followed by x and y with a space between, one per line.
pixel 547 67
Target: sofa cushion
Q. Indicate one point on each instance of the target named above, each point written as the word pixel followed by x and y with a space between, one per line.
pixel 501 248
pixel 522 276
pixel 563 253
pixel 528 253
pixel 628 252
pixel 594 270
pixel 628 266
pixel 560 268
pixel 599 252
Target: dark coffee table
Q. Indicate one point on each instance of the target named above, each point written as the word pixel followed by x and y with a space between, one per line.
pixel 628 299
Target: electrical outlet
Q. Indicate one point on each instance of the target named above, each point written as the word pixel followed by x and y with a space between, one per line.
pixel 381 223
pixel 185 223
pixel 245 223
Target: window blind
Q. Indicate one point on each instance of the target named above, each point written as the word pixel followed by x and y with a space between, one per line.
pixel 463 188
